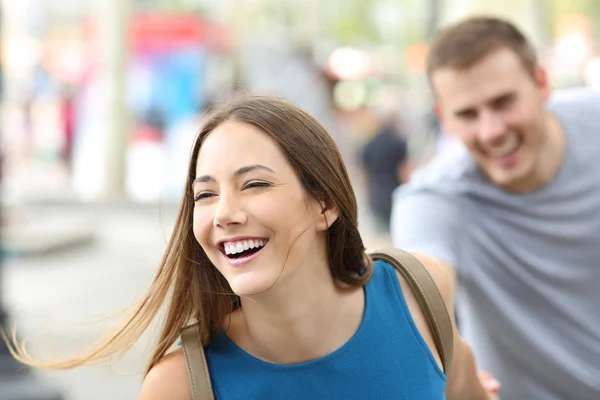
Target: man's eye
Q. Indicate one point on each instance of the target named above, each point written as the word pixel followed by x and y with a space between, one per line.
pixel 467 115
pixel 503 102
pixel 251 185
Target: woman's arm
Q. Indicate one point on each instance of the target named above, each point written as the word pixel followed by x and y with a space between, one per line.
pixel 463 381
pixel 167 380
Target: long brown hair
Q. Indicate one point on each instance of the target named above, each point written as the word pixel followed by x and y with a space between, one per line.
pixel 197 290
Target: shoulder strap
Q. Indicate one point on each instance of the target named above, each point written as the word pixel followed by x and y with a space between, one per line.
pixel 428 296
pixel 416 276
pixel 196 364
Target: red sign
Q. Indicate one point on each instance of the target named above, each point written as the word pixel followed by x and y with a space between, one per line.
pixel 164 31
pixel 155 32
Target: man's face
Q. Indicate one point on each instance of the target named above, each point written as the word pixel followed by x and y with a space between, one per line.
pixel 495 107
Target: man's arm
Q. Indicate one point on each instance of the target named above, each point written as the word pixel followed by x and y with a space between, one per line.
pixel 463 382
pixel 430 224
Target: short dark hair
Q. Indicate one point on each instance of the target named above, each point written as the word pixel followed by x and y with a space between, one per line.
pixel 463 44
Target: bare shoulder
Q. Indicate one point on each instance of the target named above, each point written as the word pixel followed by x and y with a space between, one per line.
pixel 168 379
pixel 443 276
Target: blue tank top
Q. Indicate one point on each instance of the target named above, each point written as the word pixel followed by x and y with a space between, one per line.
pixel 385 359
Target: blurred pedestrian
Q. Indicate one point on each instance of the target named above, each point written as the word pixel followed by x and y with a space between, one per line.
pixel 385 161
pixel 513 211
pixel 68 115
pixel 267 259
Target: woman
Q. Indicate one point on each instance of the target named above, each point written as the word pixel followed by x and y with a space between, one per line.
pixel 266 257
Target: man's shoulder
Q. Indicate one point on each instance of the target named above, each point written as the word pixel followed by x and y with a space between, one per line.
pixel 578 110
pixel 578 100
pixel 451 171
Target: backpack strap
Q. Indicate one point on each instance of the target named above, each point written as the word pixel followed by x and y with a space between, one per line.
pixel 428 297
pixel 416 276
pixel 197 367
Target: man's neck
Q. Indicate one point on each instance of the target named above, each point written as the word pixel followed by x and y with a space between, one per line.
pixel 549 160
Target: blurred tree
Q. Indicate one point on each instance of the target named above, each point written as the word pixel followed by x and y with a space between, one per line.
pixel 434 12
pixel 349 22
pixel 592 10
pixel 589 8
pixel 353 21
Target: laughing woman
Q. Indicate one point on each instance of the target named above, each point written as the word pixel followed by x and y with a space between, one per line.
pixel 267 263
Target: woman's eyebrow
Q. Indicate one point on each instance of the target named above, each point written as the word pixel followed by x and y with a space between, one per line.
pixel 237 174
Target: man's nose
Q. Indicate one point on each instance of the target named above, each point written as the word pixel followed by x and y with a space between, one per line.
pixel 492 128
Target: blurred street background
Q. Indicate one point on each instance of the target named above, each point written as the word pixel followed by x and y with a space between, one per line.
pixel 101 101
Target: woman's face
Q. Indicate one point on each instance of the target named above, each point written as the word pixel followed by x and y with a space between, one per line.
pixel 252 217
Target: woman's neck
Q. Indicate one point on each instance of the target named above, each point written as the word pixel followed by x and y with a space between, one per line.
pixel 300 321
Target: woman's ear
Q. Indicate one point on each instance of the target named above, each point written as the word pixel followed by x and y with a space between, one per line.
pixel 329 214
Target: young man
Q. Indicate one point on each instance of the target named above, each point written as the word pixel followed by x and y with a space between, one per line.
pixel 514 210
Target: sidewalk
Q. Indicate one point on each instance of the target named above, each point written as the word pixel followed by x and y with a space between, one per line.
pixel 55 297
pixel 39 229
pixel 76 263
pixel 44 227
pixel 24 236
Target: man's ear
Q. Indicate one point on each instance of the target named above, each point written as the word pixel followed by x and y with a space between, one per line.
pixel 437 108
pixel 542 82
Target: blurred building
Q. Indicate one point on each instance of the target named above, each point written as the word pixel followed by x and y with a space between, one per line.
pixel 102 96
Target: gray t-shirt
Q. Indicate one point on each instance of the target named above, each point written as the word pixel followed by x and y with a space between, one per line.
pixel 528 266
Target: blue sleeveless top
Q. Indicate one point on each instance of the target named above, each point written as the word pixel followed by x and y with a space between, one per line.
pixel 385 359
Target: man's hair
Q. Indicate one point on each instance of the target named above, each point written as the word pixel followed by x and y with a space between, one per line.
pixel 463 44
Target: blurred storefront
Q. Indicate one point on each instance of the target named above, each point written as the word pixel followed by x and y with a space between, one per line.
pixel 87 117
pixel 171 60
pixel 58 122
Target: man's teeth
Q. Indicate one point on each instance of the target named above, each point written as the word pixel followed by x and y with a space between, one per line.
pixel 238 247
pixel 506 148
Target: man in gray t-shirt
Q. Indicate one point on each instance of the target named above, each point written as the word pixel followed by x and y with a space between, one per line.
pixel 514 209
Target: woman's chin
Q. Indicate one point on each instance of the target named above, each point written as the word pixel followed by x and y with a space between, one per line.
pixel 248 286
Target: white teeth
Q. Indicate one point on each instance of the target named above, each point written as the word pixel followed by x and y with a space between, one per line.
pixel 509 145
pixel 238 247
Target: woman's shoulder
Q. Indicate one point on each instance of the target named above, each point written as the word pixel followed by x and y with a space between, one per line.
pixel 444 280
pixel 442 274
pixel 168 379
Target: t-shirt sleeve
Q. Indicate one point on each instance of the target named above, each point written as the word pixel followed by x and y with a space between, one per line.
pixel 426 222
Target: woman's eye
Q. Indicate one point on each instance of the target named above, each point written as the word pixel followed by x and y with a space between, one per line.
pixel 251 185
pixel 203 195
